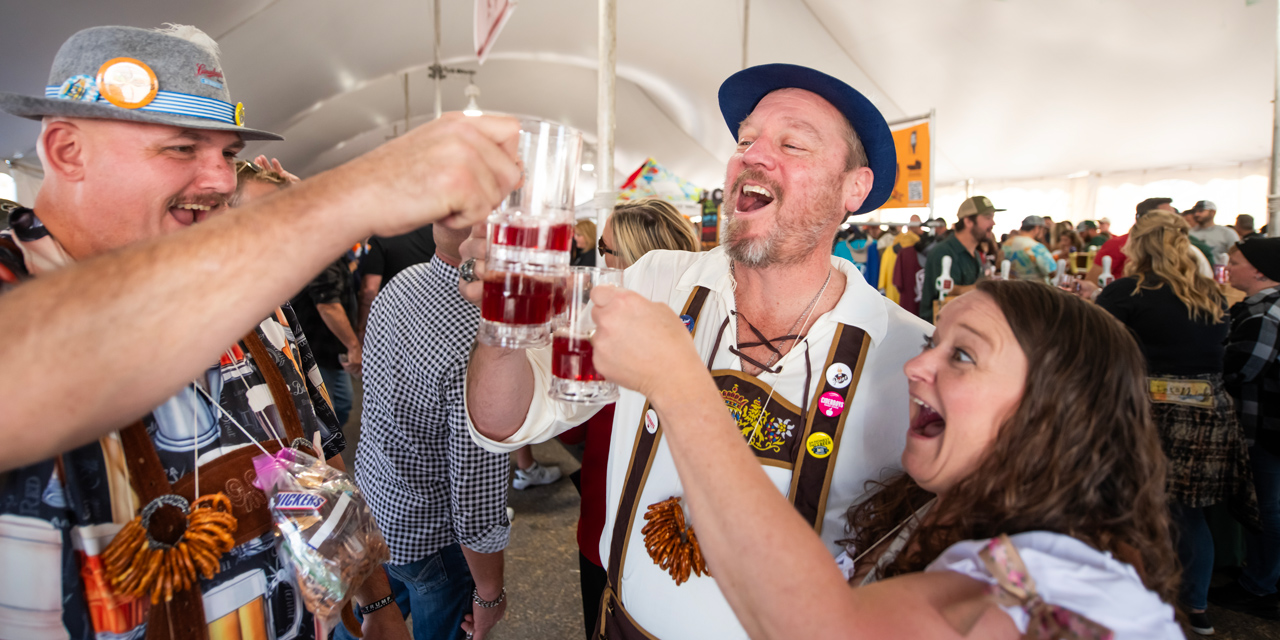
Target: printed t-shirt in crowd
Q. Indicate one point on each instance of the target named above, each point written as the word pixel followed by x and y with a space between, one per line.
pixel 1074 576
pixel 966 266
pixel 1098 240
pixel 908 278
pixel 56 516
pixel 1173 343
pixel 1028 259
pixel 889 259
pixel 873 437
pixel 334 284
pixel 390 255
pixel 1218 237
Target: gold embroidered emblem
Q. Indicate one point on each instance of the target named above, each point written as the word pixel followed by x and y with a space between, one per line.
pixel 773 432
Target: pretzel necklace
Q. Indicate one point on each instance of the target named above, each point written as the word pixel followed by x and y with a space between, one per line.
pixel 671 544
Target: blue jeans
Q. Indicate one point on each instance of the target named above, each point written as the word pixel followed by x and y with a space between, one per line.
pixel 438 592
pixel 1263 560
pixel 1195 552
pixel 338 382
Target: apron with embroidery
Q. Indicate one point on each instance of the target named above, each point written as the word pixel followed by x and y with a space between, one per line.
pixel 803 440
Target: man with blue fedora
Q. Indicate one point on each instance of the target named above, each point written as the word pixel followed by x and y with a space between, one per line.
pixel 137 373
pixel 808 356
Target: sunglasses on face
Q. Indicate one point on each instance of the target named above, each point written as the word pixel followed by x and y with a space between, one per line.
pixel 602 248
pixel 243 166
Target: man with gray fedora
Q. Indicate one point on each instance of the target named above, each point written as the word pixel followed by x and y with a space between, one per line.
pixel 116 305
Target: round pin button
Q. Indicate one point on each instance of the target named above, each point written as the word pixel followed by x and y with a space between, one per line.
pixel 831 404
pixel 127 83
pixel 839 375
pixel 819 444
pixel 651 421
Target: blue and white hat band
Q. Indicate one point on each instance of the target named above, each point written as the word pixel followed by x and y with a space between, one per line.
pixel 171 102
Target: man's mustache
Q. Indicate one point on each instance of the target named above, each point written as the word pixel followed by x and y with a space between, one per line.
pixel 211 200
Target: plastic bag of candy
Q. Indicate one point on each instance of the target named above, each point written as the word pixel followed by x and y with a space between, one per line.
pixel 326 529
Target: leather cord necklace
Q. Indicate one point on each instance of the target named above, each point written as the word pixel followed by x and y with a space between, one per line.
pixel 768 342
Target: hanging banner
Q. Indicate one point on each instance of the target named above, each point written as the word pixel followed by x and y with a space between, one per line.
pixel 491 16
pixel 653 179
pixel 912 187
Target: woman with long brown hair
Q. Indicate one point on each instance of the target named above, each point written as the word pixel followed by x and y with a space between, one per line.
pixel 1177 316
pixel 1015 476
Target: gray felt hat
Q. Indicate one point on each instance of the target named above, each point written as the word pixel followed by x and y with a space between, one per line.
pixel 125 73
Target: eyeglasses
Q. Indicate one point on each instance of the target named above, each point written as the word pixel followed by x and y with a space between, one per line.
pixel 604 248
pixel 244 165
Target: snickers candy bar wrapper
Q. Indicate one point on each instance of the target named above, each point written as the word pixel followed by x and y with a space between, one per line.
pixel 325 528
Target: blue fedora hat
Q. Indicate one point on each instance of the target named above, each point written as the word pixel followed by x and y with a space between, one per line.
pixel 740 94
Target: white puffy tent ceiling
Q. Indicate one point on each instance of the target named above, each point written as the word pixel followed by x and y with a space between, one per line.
pixel 1023 88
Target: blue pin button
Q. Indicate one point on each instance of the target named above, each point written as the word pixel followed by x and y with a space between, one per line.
pixel 688 322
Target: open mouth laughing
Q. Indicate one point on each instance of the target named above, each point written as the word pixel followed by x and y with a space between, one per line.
pixel 189 213
pixel 753 197
pixel 927 423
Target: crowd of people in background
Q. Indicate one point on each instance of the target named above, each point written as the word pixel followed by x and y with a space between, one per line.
pixel 1207 361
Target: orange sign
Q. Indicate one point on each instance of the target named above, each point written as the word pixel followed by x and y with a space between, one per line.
pixel 912 187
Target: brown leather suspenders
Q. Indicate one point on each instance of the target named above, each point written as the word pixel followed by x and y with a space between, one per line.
pixel 231 473
pixel 811 475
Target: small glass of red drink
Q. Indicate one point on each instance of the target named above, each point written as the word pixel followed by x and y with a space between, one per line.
pixel 529 238
pixel 574 376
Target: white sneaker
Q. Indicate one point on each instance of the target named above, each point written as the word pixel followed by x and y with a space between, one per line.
pixel 535 475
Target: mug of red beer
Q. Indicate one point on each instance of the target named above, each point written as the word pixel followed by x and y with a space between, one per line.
pixel 529 237
pixel 574 376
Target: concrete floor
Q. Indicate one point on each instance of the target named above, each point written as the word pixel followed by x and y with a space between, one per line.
pixel 544 596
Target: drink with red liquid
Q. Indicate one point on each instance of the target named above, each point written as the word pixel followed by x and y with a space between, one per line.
pixel 529 236
pixel 516 299
pixel 571 358
pixel 573 373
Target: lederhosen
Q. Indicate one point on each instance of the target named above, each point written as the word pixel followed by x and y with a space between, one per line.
pixel 786 435
pixel 232 473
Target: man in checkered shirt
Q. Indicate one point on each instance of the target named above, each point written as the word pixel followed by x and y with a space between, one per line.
pixel 440 499
pixel 1253 379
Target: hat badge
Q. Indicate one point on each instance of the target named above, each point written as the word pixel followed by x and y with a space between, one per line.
pixel 239 114
pixel 127 83
pixel 81 88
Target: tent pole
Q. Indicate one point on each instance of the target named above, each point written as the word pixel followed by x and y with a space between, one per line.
pixel 933 155
pixel 1273 198
pixel 605 112
pixel 435 73
pixel 746 29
